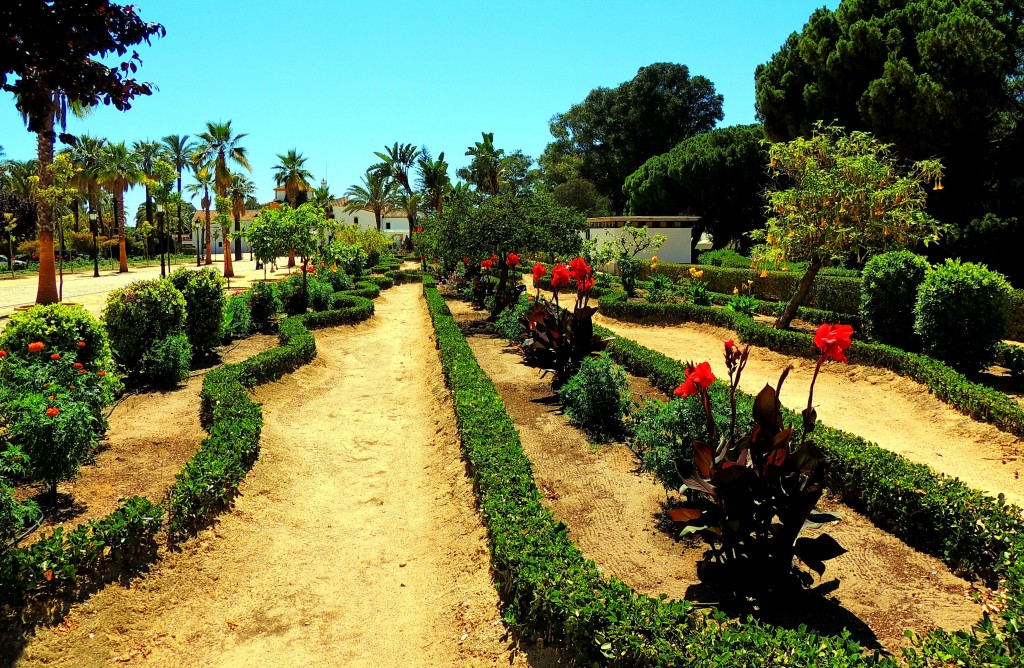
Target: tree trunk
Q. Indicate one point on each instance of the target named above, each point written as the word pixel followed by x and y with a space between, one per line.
pixel 209 230
pixel 46 292
pixel 293 196
pixel 802 289
pixel 291 258
pixel 376 214
pixel 238 237
pixel 229 268
pixel 119 217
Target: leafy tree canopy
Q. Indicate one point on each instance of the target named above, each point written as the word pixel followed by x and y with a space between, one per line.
pixel 53 46
pixel 718 175
pixel 613 131
pixel 933 77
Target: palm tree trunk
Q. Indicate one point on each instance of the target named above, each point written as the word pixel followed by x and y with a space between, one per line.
pixel 119 217
pixel 376 214
pixel 209 231
pixel 238 237
pixel 229 269
pixel 46 293
pixel 292 198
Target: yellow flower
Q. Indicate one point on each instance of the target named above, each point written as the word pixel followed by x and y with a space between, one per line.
pixel 785 267
pixel 654 259
pixel 764 273
pixel 735 291
pixel 699 273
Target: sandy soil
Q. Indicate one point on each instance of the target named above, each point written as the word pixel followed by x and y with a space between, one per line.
pixel 884 586
pixel 897 413
pixel 354 541
pixel 140 454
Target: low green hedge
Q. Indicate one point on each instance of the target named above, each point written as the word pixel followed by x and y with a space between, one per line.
pixel 978 401
pixel 1015 327
pixel 815 316
pixel 400 276
pixel 974 534
pixel 553 592
pixel 382 282
pixel 364 289
pixel 55 563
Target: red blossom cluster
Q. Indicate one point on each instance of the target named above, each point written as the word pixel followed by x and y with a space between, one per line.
pixel 487 264
pixel 698 378
pixel 512 260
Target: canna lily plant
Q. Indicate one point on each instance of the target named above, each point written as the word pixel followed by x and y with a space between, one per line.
pixel 558 339
pixel 751 495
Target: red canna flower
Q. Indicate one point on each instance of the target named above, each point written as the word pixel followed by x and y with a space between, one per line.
pixel 36 346
pixel 559 276
pixel 81 344
pixel 538 272
pixel 494 257
pixel 52 412
pixel 833 340
pixel 487 264
pixel 465 261
pixel 729 345
pixel 419 229
pixel 579 269
pixel 55 356
pixel 78 365
pixel 513 260
pixel 696 377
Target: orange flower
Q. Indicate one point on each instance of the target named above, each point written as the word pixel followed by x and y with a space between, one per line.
pixel 81 344
pixel 52 397
pixel 36 346
pixel 3 354
pixel 764 273
pixel 82 371
pixel 78 365
pixel 101 374
pixel 55 356
pixel 52 412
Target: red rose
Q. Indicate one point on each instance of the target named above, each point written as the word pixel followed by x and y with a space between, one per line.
pixel 833 340
pixel 513 260
pixel 36 346
pixel 699 376
pixel 52 412
pixel 81 344
pixel 538 271
pixel 559 276
pixel 55 356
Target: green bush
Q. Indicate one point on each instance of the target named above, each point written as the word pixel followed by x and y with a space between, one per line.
pixel 238 316
pixel 204 307
pixel 293 299
pixel 264 303
pixel 961 314
pixel 365 289
pixel 598 397
pixel 508 325
pixel 139 315
pixel 338 279
pixel 1015 326
pixel 61 328
pixel 723 257
pixel 56 434
pixel 15 516
pixel 318 293
pixel 382 282
pixel 167 361
pixel 888 294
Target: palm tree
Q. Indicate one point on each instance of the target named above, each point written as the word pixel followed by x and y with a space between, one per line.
pixel 242 188
pixel 219 147
pixel 290 172
pixel 178 151
pixel 19 178
pixel 434 181
pixel 87 156
pixel 397 161
pixel 487 166
pixel 204 181
pixel 322 198
pixel 118 172
pixel 377 194
pixel 147 153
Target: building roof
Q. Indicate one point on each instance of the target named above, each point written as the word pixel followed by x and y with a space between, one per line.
pixel 646 221
pixel 342 202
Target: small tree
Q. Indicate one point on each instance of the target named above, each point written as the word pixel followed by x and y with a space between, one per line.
pixel 266 236
pixel 849 196
pixel 300 229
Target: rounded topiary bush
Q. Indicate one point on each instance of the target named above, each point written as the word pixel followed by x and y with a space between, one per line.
pixel 264 303
pixel 598 397
pixel 139 315
pixel 204 306
pixel 889 286
pixel 961 314
pixel 167 361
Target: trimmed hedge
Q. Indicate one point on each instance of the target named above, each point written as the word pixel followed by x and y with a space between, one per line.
pixel 1015 327
pixel 364 289
pixel 973 399
pixel 553 592
pixel 400 276
pixel 382 282
pixel 972 533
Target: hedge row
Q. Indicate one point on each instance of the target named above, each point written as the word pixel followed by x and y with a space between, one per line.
pixel 1015 327
pixel 553 592
pixel 974 534
pixel 400 276
pixel 55 563
pixel 365 289
pixel 978 401
pixel 382 282
pixel 815 316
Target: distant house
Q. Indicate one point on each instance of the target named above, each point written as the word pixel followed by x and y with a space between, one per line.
pixel 218 243
pixel 393 223
pixel 279 194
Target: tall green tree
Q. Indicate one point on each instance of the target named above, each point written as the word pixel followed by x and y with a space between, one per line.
pixel 290 172
pixel 608 135
pixel 178 150
pixel 720 175
pixel 242 188
pixel 147 153
pixel 932 77
pixel 434 181
pixel 220 146
pixel 397 162
pixel 376 193
pixel 487 166
pixel 119 172
pixel 848 194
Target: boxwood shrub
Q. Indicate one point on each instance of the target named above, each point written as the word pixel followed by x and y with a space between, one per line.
pixel 203 290
pixel 888 294
pixel 141 314
pixel 598 397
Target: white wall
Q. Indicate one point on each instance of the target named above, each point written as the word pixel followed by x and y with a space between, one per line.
pixel 367 221
pixel 675 249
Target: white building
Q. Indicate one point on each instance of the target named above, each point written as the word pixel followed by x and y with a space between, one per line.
pixel 392 223
pixel 678 231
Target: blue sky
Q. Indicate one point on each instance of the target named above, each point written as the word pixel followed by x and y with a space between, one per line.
pixel 339 80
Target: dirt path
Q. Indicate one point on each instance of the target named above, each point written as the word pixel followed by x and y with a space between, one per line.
pixel 897 413
pixel 354 542
pixel 884 586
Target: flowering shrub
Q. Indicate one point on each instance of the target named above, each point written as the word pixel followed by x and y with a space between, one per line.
pixel 699 293
pixel 338 279
pixel 750 495
pixel 61 329
pixel 598 397
pixel 263 303
pixel 661 288
pixel 140 315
